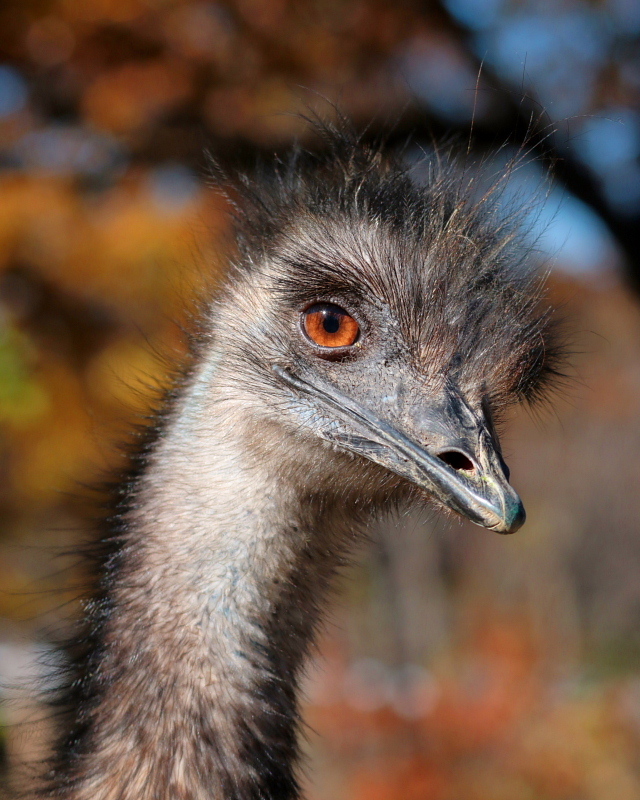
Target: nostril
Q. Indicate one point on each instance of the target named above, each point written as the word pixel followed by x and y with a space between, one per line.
pixel 457 460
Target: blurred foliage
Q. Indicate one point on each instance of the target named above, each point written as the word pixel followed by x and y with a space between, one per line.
pixel 464 667
pixel 22 399
pixel 491 719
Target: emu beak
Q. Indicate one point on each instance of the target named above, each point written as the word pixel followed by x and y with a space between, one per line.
pixel 461 465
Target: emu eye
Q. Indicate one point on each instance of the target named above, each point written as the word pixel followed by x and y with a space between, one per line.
pixel 329 325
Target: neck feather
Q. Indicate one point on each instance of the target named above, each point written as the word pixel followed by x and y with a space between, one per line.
pixel 211 600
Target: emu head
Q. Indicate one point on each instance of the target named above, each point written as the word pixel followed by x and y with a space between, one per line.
pixel 374 321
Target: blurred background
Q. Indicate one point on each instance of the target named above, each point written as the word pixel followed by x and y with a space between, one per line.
pixel 457 665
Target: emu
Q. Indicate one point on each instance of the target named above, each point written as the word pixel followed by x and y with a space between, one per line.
pixel 369 337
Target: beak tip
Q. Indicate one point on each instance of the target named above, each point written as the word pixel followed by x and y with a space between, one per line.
pixel 514 517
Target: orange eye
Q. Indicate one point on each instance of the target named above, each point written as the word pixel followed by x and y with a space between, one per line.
pixel 330 326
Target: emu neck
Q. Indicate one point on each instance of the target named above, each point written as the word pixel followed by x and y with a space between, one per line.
pixel 213 602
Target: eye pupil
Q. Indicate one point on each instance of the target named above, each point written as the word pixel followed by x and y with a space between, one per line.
pixel 331 322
